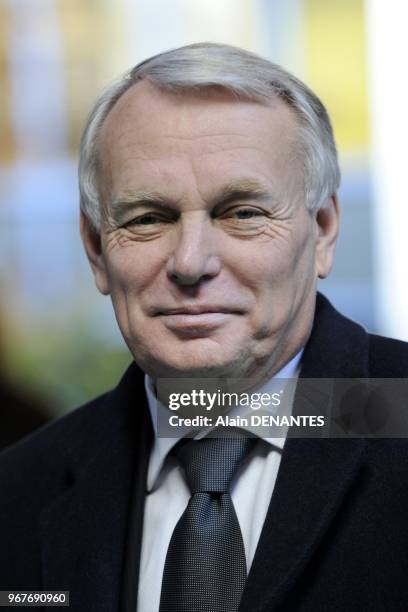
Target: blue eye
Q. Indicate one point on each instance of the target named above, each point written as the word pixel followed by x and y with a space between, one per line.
pixel 246 213
pixel 148 219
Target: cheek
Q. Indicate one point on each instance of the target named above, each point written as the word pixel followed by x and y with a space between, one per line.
pixel 270 269
pixel 131 269
pixel 279 277
pixel 126 282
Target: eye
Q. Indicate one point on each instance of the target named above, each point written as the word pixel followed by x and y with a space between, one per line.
pixel 147 219
pixel 243 213
pixel 247 213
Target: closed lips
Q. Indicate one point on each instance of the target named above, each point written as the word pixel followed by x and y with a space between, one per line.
pixel 195 310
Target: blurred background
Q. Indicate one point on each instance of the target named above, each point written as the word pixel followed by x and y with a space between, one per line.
pixel 59 343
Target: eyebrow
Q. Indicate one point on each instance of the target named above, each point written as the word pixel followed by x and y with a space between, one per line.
pixel 118 209
pixel 242 190
pixel 247 189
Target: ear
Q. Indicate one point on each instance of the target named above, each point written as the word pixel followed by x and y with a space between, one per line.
pixel 328 222
pixel 92 242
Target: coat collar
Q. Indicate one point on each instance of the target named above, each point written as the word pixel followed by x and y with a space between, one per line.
pixel 314 475
pixel 337 347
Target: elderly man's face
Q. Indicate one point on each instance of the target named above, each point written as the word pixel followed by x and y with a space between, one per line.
pixel 206 248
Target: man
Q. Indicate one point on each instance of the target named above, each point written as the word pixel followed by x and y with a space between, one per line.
pixel 208 181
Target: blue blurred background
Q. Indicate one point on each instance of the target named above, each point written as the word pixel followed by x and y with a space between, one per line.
pixel 58 336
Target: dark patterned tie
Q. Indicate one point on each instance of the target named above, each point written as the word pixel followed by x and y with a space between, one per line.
pixel 205 569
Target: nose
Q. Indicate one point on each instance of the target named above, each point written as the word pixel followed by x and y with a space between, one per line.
pixel 195 256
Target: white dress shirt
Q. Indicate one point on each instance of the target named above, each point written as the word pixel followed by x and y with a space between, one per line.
pixel 167 494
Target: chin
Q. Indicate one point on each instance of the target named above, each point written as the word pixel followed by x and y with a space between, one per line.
pixel 202 362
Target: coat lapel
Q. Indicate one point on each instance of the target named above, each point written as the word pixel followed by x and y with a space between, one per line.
pixel 315 474
pixel 313 480
pixel 85 528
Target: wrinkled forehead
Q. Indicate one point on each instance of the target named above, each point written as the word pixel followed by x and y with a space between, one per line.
pixel 149 129
pixel 143 104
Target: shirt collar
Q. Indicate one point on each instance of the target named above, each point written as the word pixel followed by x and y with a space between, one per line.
pixel 162 446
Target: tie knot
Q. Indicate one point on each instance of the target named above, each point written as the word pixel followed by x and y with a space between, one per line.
pixel 211 463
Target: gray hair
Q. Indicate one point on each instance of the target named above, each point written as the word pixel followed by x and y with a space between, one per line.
pixel 248 77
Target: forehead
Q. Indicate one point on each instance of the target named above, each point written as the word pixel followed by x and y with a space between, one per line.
pixel 209 126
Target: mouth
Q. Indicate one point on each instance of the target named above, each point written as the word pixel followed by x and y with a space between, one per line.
pixel 197 320
pixel 197 309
